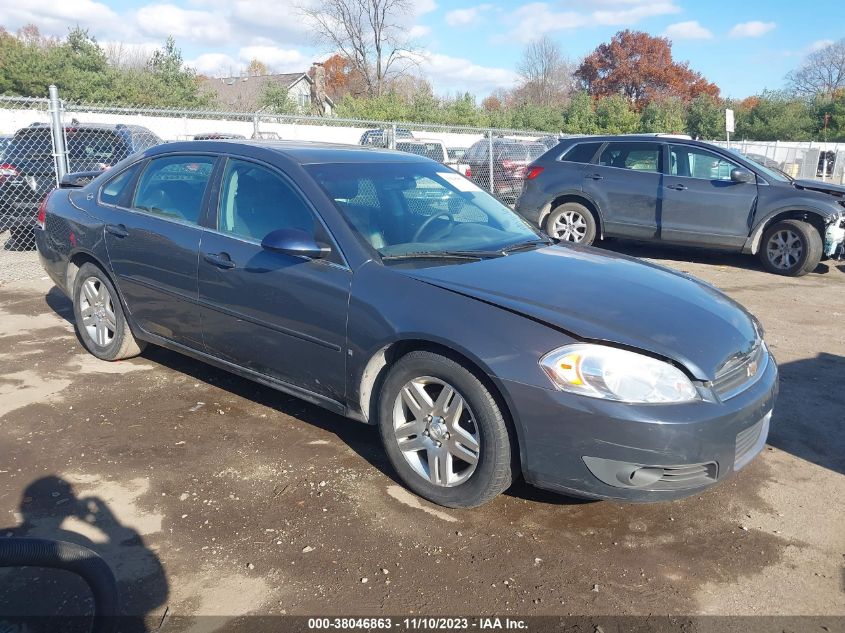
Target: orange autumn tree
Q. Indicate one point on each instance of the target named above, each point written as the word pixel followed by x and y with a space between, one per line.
pixel 342 78
pixel 640 67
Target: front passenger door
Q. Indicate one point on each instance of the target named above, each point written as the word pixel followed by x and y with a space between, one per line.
pixel 275 314
pixel 701 204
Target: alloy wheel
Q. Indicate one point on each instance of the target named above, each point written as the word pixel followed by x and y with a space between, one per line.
pixel 97 310
pixel 570 226
pixel 436 431
pixel 784 249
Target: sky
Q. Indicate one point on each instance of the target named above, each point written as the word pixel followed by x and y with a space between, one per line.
pixel 465 45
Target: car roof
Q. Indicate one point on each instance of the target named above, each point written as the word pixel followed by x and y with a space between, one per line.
pixel 621 138
pixel 304 152
pixel 111 127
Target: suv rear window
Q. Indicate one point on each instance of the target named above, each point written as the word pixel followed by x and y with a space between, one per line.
pixel 581 153
pixel 31 145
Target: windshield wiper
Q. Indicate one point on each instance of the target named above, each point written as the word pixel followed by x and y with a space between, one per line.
pixel 443 255
pixel 519 246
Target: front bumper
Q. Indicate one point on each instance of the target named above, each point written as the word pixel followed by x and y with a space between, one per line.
pixel 588 447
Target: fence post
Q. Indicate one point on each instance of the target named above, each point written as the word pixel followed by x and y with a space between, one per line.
pixel 255 130
pixel 58 134
pixel 490 159
pixel 391 141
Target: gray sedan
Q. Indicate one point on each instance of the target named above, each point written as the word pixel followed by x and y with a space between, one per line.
pixel 385 287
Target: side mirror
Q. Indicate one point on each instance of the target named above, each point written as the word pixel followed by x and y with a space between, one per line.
pixel 294 242
pixel 742 175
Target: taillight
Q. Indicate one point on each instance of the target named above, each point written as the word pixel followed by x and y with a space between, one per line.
pixel 468 173
pixel 8 172
pixel 533 172
pixel 42 212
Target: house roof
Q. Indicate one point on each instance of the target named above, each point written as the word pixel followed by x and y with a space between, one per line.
pixel 242 94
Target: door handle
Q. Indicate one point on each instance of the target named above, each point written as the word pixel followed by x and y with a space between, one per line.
pixel 221 260
pixel 595 177
pixel 118 230
pixel 677 187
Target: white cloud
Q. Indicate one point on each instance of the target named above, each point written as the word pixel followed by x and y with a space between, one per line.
pixel 754 28
pixel 690 30
pixel 187 24
pixel 448 74
pixel 465 17
pixel 280 60
pixel 421 7
pixel 55 17
pixel 418 30
pixel 537 18
pixel 215 65
pixel 819 45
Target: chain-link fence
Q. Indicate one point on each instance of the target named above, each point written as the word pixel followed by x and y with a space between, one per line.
pixel 47 138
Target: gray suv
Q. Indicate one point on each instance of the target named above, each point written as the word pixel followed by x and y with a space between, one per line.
pixel 680 191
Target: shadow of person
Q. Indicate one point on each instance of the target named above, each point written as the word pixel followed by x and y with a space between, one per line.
pixel 51 509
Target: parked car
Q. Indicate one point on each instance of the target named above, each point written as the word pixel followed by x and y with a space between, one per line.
pixel 267 136
pixel 310 272
pixel 28 172
pixel 217 136
pixel 456 159
pixel 379 137
pixel 686 192
pixel 549 141
pixel 435 150
pixel 5 139
pixel 827 161
pixel 510 162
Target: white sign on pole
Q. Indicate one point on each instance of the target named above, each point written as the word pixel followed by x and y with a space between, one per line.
pixel 729 120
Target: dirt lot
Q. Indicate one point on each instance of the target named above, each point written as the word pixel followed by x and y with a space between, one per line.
pixel 209 494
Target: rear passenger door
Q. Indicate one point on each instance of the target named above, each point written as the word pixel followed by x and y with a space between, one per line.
pixel 153 235
pixel 625 182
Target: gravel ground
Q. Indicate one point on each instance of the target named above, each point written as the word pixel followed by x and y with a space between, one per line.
pixel 209 494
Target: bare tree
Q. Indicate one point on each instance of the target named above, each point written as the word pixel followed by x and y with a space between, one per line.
pixel 125 56
pixel 369 33
pixel 547 75
pixel 822 73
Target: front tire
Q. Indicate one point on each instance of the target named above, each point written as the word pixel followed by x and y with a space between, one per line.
pixel 100 323
pixel 444 432
pixel 791 248
pixel 571 222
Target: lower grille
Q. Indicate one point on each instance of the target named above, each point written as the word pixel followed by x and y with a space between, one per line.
pixel 751 441
pixel 689 476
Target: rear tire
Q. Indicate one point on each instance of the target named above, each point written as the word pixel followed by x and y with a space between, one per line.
pixel 99 318
pixel 427 442
pixel 571 222
pixel 791 248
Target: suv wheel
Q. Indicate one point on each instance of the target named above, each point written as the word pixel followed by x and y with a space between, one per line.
pixel 99 319
pixel 791 247
pixel 572 222
pixel 444 432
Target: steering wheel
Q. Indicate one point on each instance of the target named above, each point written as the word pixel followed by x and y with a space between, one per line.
pixel 450 218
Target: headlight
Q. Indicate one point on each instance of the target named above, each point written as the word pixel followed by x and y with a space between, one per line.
pixel 616 374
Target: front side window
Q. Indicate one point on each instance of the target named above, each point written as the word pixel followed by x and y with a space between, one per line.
pixel 173 187
pixel 693 162
pixel 255 201
pixel 404 208
pixel 633 156
pixel 114 190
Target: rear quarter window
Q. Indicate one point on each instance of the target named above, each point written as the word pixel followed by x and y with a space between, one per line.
pixel 581 153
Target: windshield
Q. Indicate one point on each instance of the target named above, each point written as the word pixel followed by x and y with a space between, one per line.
pixel 769 172
pixel 408 208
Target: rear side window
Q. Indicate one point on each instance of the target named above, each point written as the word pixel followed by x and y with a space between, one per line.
pixel 581 153
pixel 633 156
pixel 31 145
pixel 173 187
pixel 477 152
pixel 114 191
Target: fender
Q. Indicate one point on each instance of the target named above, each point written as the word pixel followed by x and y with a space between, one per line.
pixel 798 208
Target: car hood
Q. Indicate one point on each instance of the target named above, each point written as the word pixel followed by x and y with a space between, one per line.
pixel 601 296
pixel 823 187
